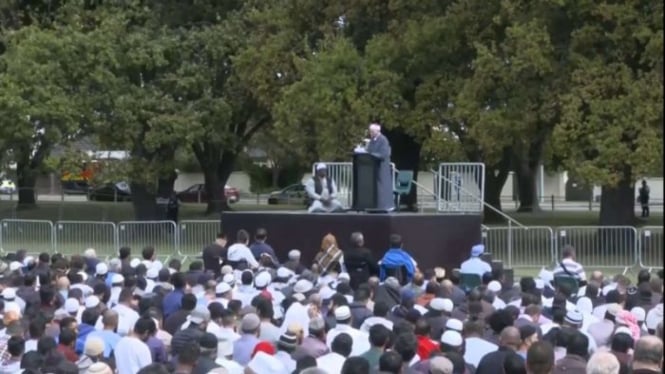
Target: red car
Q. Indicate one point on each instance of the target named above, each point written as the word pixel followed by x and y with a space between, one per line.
pixel 197 194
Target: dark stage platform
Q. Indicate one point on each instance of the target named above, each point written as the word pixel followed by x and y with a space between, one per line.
pixel 432 239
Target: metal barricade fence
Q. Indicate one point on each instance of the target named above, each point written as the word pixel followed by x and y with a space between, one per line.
pixel 195 235
pixel 72 237
pixel 651 247
pixel 35 236
pixel 601 246
pixel 461 187
pixel 521 247
pixel 163 235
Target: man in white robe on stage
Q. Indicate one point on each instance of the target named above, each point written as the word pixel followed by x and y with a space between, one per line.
pixel 323 192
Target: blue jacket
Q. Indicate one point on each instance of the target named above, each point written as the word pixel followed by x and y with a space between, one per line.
pixel 84 331
pixel 394 258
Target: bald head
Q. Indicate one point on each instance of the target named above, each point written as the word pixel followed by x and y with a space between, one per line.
pixel 648 353
pixel 110 318
pixel 510 337
pixel 597 276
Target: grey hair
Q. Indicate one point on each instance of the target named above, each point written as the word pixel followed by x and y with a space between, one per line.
pixel 603 363
pixel 313 371
pixel 357 238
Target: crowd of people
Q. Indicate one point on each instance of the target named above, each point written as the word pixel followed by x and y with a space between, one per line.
pixel 239 309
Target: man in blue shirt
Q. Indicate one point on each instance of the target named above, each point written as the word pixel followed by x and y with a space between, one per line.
pixel 260 247
pixel 475 265
pixel 173 300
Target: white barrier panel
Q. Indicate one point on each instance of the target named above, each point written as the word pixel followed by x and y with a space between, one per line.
pixel 651 247
pixel 521 247
pixel 195 235
pixel 73 237
pixel 35 236
pixel 461 187
pixel 163 235
pixel 601 246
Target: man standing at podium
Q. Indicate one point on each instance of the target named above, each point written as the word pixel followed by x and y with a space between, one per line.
pixel 323 192
pixel 379 147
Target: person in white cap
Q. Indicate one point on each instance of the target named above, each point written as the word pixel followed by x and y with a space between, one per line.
pixel 575 319
pixel 379 147
pixel 343 319
pixel 475 265
pixel 323 192
pixel 293 263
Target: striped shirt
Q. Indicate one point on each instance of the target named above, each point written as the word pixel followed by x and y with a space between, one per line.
pixel 572 269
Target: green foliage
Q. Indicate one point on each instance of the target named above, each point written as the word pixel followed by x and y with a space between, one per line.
pixel 612 123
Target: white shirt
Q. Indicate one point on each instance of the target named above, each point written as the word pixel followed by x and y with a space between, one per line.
pixel 245 294
pixel 131 355
pixel 286 360
pixel 127 317
pixel 239 252
pixel 574 268
pixel 231 366
pixel 30 345
pixel 360 339
pixel 476 349
pixel 332 362
pixel 221 300
pixel 269 332
pixel 475 265
pixel 371 321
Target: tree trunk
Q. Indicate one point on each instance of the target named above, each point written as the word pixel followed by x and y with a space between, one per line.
pixel 617 204
pixel 406 156
pixel 25 183
pixel 527 186
pixel 212 188
pixel 495 179
pixel 145 203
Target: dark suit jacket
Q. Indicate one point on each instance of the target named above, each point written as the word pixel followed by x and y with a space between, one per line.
pixel 361 265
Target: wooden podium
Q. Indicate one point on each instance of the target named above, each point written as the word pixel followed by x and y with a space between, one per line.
pixel 365 176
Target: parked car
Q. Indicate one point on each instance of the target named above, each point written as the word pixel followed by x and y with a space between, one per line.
pixel 197 194
pixel 293 194
pixel 119 191
pixel 7 186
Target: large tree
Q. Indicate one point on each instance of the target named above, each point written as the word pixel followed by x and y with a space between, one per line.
pixel 611 130
pixel 41 99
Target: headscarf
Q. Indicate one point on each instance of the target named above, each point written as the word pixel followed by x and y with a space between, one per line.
pixel 627 318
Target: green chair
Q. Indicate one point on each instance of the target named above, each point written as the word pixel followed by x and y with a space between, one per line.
pixel 403 183
pixel 468 281
pixel 571 283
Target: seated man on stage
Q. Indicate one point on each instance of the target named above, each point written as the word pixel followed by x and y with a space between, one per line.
pixel 323 192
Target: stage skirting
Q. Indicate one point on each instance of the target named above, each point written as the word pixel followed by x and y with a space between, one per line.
pixel 432 239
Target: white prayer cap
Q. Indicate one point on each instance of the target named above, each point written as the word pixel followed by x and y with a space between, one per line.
pixel 134 262
pixel 320 166
pixel 342 313
pixel 344 276
pixel 115 265
pixel 494 286
pixel 229 278
pixel 262 279
pixel 455 325
pixel 9 294
pixel 294 254
pixel 227 269
pixel 90 253
pixel 284 273
pixel 574 317
pixel 72 305
pixel 303 286
pixel 222 288
pixel 452 338
pixel 623 330
pixel 101 269
pixel 91 301
pixel 299 297
pixel 266 364
pixel 83 275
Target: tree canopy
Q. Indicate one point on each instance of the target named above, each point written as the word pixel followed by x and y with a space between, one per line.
pixel 511 83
